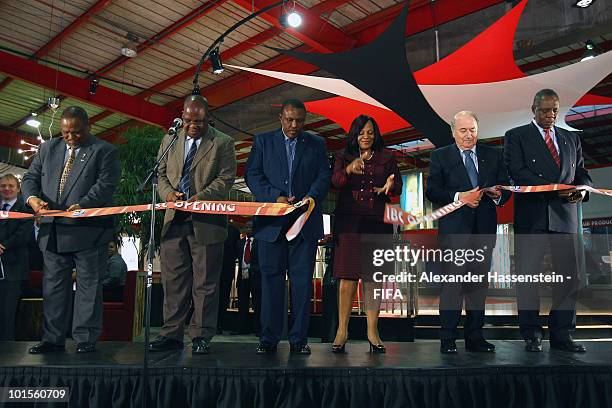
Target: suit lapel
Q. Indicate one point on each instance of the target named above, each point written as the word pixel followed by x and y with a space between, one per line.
pixel 545 155
pixel 281 152
pixel 457 161
pixel 564 153
pixel 56 154
pixel 206 144
pixel 80 161
pixel 483 166
pixel 299 152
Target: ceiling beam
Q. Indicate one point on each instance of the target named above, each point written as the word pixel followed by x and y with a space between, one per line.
pixel 11 139
pixel 561 58
pixel 314 31
pixel 75 87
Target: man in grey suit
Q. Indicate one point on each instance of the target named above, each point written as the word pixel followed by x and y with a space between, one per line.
pixel 540 153
pixel 200 166
pixel 75 171
pixel 14 265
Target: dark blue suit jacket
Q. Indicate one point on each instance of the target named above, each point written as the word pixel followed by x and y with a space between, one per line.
pixel 530 163
pixel 267 175
pixel 447 175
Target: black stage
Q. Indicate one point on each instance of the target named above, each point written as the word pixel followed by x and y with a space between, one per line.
pixel 409 375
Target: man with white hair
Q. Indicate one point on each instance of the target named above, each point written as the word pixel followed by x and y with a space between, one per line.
pixel 467 171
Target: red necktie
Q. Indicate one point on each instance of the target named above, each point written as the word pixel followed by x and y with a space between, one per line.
pixel 247 251
pixel 551 147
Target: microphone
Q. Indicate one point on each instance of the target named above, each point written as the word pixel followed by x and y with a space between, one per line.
pixel 176 125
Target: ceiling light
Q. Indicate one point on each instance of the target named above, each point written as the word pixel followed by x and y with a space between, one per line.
pixel 130 47
pixel 292 19
pixel 215 60
pixel 33 122
pixel 590 51
pixel 583 3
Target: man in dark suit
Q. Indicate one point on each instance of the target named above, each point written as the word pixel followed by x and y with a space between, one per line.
pixel 75 171
pixel 286 166
pixel 14 266
pixel 248 282
pixel 466 171
pixel 201 165
pixel 540 153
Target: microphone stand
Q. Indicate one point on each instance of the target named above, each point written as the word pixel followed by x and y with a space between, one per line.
pixel 152 177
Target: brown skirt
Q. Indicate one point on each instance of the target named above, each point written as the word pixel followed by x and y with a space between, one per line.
pixel 356 237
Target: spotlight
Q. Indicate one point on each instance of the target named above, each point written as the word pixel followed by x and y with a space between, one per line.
pixel 583 3
pixel 590 52
pixel 93 86
pixel 215 60
pixel 130 47
pixel 54 103
pixel 33 122
pixel 292 19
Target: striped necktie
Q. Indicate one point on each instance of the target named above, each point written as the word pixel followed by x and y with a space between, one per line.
pixel 185 182
pixel 551 147
pixel 67 169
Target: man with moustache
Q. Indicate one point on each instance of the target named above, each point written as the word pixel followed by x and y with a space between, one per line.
pixel 467 171
pixel 75 171
pixel 286 166
pixel 200 166
pixel 540 153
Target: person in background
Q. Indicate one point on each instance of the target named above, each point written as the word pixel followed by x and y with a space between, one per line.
pixel 228 271
pixel 14 265
pixel 114 276
pixel 366 175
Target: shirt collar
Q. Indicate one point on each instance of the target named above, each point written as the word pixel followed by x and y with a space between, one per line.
pixel 473 149
pixel 541 129
pixel 287 138
pixel 11 203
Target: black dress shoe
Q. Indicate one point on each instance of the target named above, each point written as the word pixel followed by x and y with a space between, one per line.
pixel 533 345
pixel 266 349
pixel 45 347
pixel 479 346
pixel 567 345
pixel 162 343
pixel 448 347
pixel 200 346
pixel 303 349
pixel 85 347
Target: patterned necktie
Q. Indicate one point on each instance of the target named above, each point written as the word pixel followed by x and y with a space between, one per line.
pixel 67 169
pixel 5 207
pixel 471 167
pixel 551 147
pixel 185 182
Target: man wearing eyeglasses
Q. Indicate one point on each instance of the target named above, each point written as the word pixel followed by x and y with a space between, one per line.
pixel 200 166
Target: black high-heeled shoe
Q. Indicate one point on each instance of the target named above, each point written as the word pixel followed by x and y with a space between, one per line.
pixel 338 349
pixel 377 348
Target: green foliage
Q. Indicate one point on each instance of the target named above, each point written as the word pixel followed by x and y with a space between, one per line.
pixel 137 156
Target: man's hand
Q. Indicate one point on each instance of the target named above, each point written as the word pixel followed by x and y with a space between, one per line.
pixel 2 249
pixel 572 195
pixel 174 196
pixel 73 207
pixel 494 192
pixel 282 200
pixel 192 199
pixel 387 187
pixel 471 197
pixel 355 167
pixel 37 204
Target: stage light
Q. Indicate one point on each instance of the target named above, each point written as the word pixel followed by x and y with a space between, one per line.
pixel 292 19
pixel 93 86
pixel 590 52
pixel 215 60
pixel 54 103
pixel 583 3
pixel 33 122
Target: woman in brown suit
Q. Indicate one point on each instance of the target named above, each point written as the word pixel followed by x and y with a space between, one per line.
pixel 366 175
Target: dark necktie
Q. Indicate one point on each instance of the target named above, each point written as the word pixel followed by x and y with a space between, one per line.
pixel 247 252
pixel 185 182
pixel 5 207
pixel 551 147
pixel 470 167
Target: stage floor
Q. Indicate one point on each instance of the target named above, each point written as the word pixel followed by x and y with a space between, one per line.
pixel 417 355
pixel 408 375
